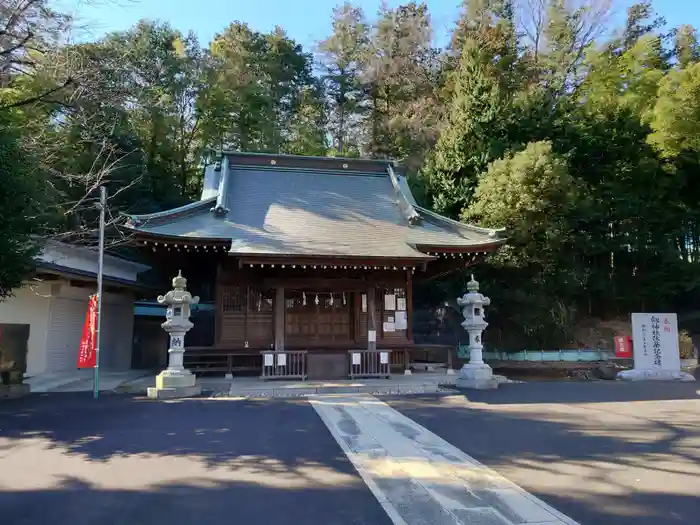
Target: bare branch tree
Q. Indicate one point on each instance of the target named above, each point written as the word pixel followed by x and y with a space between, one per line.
pixel 590 19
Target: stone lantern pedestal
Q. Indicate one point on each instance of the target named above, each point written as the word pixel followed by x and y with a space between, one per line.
pixel 176 381
pixel 475 374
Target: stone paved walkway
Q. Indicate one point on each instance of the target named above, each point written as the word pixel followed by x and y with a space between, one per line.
pixel 420 478
pixel 253 387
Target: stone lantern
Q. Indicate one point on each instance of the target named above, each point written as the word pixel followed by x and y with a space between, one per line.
pixel 475 374
pixel 176 380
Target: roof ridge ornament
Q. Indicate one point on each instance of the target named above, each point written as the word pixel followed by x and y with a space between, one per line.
pixel 218 156
pixel 220 207
pixel 407 209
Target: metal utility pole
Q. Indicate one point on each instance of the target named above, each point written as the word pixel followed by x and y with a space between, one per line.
pixel 100 264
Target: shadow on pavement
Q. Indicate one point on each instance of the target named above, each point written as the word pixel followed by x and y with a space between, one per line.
pixel 126 460
pixel 576 392
pixel 603 455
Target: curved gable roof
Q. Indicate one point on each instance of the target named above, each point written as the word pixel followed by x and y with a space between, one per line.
pixel 307 206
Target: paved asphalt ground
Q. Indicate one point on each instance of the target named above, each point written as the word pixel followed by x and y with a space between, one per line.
pixel 601 453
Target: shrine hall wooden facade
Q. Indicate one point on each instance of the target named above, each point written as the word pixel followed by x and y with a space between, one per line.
pixel 310 253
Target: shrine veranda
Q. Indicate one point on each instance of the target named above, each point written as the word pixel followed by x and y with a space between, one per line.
pixel 308 254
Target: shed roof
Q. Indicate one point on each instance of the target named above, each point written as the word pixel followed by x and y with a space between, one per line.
pixel 282 205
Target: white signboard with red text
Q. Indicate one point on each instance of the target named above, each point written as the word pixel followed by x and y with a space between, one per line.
pixel 655 342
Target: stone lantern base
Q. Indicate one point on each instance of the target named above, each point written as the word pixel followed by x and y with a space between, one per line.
pixel 478 376
pixel 173 384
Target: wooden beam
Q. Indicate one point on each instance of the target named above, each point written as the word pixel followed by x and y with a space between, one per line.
pixel 489 247
pixel 409 305
pixel 246 296
pixel 322 283
pixel 333 262
pixel 219 303
pixel 279 318
pixel 371 321
pixel 445 267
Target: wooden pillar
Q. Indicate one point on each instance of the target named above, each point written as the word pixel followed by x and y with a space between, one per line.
pixel 219 304
pixel 279 318
pixel 371 321
pixel 409 305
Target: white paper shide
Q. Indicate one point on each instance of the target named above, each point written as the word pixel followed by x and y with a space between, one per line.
pixel 655 348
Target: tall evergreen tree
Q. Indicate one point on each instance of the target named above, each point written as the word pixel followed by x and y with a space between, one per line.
pixel 340 57
pixel 22 218
pixel 401 81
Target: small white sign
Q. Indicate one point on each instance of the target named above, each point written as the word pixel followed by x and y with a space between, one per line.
pixel 384 357
pixel 389 302
pixel 389 327
pixel 401 321
pixel 655 341
pixel 177 341
pixel 281 359
pixel 364 303
pixel 390 319
pixel 269 360
pixel 401 303
pixel 356 358
pixel 372 336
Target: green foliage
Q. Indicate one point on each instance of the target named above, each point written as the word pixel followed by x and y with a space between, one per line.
pixel 578 136
pixel 340 57
pixel 584 149
pixel 532 194
pixel 675 118
pixel 475 133
pixel 21 217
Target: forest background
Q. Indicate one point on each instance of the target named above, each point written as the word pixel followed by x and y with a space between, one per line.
pixel 579 135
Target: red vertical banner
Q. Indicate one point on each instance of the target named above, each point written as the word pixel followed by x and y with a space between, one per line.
pixel 87 357
pixel 623 346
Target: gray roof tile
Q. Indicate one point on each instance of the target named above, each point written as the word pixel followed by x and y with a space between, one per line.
pixel 283 211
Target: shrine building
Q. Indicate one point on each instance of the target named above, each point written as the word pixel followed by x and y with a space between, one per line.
pixel 313 257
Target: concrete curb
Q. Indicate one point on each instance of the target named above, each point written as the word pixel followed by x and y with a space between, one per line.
pixel 13 391
pixel 399 389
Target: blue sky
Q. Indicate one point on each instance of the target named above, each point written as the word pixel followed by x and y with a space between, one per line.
pixel 307 21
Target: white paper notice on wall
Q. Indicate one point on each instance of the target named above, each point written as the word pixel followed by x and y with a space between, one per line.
pixel 364 303
pixel 356 358
pixel 372 336
pixel 401 321
pixel 384 357
pixel 389 302
pixel 269 360
pixel 281 359
pixel 401 303
pixel 389 327
pixel 390 319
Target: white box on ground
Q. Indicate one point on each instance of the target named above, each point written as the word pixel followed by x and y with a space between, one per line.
pixel 655 348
